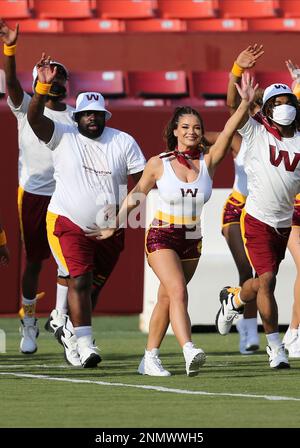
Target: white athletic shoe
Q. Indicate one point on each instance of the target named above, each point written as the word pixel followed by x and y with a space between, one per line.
pixel 227 312
pixel 277 357
pixel 151 364
pixel 69 342
pixel 194 359
pixel 29 330
pixel 293 348
pixel 55 323
pixel 88 353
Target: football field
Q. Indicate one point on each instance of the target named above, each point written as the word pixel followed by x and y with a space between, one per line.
pixel 232 391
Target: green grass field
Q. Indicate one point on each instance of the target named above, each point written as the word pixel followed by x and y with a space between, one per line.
pixel 232 391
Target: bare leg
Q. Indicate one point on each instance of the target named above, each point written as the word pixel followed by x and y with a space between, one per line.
pixel 294 248
pixel 30 279
pixel 79 300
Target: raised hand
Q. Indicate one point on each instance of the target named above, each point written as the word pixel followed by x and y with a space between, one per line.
pixel 293 69
pixel 248 57
pixel 46 72
pixel 247 88
pixel 8 35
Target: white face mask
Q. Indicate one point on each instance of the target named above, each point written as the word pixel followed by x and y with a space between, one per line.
pixel 284 114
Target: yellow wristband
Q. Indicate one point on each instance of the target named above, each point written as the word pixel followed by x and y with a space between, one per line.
pixel 296 90
pixel 9 50
pixel 3 240
pixel 237 70
pixel 42 88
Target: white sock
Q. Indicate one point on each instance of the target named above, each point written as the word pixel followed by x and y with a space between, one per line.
pixel 61 298
pixel 28 307
pixel 273 340
pixel 83 331
pixel 251 326
pixel 188 346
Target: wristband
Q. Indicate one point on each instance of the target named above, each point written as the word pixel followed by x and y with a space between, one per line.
pixel 237 70
pixel 3 240
pixel 9 50
pixel 42 88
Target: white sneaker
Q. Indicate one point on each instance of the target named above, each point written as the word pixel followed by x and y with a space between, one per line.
pixel 55 323
pixel 194 359
pixel 29 330
pixel 293 348
pixel 88 353
pixel 227 312
pixel 277 357
pixel 241 328
pixel 69 342
pixel 151 364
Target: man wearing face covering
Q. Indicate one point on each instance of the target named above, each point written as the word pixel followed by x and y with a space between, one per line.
pixel 36 186
pixel 272 164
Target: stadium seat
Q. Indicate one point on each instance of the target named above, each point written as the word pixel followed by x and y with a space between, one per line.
pixel 125 9
pixel 187 9
pixel 290 8
pixel 39 26
pixel 264 79
pixel 279 24
pixel 153 25
pixel 15 9
pixel 136 102
pixel 109 83
pixel 249 8
pixel 93 26
pixel 216 25
pixel 158 84
pixel 209 85
pixel 63 9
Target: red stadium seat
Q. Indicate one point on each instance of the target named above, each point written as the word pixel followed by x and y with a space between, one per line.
pixel 216 25
pixel 154 25
pixel 249 8
pixel 279 24
pixel 209 85
pixel 93 26
pixel 264 79
pixel 63 9
pixel 125 9
pixel 290 8
pixel 187 9
pixel 137 102
pixel 39 26
pixel 159 84
pixel 109 83
pixel 15 9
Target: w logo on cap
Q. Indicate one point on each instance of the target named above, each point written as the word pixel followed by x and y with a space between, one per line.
pixel 92 97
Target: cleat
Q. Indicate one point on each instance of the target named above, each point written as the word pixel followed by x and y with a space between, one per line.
pixel 151 364
pixel 227 313
pixel 29 330
pixel 88 353
pixel 293 348
pixel 277 357
pixel 55 323
pixel 69 342
pixel 194 359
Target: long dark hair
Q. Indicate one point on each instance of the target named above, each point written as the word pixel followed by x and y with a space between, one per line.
pixel 169 136
pixel 268 107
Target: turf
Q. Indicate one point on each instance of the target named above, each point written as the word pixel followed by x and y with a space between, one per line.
pixel 32 402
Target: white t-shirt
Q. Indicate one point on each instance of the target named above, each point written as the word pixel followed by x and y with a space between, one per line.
pixel 240 177
pixel 273 172
pixel 91 173
pixel 35 160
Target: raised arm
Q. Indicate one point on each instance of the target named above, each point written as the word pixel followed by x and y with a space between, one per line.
pixel 237 120
pixel 295 75
pixel 9 38
pixel 245 60
pixel 42 126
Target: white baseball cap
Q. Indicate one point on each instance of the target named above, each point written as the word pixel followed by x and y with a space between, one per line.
pixel 91 101
pixel 35 72
pixel 275 90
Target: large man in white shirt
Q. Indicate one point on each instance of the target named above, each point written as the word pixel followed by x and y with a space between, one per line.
pixel 91 163
pixel 273 171
pixel 36 186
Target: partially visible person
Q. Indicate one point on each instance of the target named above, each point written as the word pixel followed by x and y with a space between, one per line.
pixel 183 176
pixel 4 253
pixel 36 185
pixel 92 163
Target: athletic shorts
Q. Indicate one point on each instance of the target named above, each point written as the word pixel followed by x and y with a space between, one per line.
pixel 233 208
pixel 296 214
pixel 265 246
pixel 32 217
pixel 77 254
pixel 184 240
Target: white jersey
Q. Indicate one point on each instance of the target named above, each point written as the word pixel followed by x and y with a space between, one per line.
pixel 240 177
pixel 273 170
pixel 90 173
pixel 35 160
pixel 182 202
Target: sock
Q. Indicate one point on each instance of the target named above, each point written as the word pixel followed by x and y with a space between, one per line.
pixel 153 351
pixel 61 298
pixel 188 345
pixel 28 306
pixel 273 340
pixel 83 331
pixel 291 334
pixel 251 326
pixel 237 301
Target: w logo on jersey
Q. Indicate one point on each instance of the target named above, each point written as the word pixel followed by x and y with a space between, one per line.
pixel 93 97
pixel 284 155
pixel 185 193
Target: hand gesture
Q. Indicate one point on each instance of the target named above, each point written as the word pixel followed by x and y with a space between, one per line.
pixel 8 36
pixel 294 70
pixel 46 72
pixel 247 58
pixel 246 89
pixel 4 255
pixel 100 234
